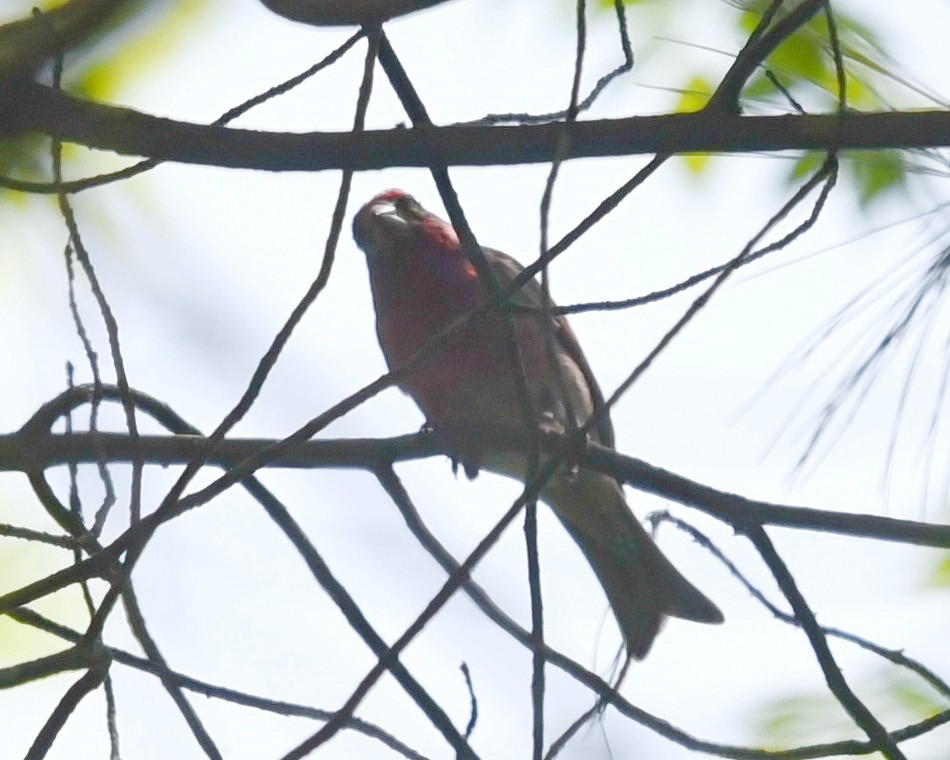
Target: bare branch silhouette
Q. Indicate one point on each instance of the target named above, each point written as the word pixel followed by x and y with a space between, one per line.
pixel 102 550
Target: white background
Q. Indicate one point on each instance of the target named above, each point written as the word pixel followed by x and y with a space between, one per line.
pixel 202 266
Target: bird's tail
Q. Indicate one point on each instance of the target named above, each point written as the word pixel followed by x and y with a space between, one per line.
pixel 641 584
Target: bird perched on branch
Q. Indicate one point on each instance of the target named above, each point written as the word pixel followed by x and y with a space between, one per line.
pixel 473 388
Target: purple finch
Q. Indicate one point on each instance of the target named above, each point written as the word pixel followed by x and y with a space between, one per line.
pixel 469 392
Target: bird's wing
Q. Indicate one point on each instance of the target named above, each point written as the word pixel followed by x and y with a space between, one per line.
pixel 530 296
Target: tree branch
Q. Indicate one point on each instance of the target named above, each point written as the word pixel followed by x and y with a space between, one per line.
pixel 22 453
pixel 27 616
pixel 837 684
pixel 345 12
pixel 27 42
pixel 36 108
pixel 89 682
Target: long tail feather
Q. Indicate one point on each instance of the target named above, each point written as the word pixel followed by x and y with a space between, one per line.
pixel 641 584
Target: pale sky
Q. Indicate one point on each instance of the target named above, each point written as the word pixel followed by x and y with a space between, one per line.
pixel 202 266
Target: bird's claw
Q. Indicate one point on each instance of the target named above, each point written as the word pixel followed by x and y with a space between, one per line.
pixel 469 468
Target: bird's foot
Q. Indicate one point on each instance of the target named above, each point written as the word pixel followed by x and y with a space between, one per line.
pixel 548 424
pixel 469 467
pixel 554 431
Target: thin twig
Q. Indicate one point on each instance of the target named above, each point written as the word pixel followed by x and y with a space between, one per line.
pixel 15 531
pixel 89 682
pixel 29 617
pixel 136 537
pixel 564 397
pixel 897 657
pixel 587 102
pixel 880 739
pixel 758 47
pixel 76 186
pixel 282 518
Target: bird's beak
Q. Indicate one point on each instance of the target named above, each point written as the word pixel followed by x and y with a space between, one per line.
pixel 385 208
pixel 384 215
pixel 378 222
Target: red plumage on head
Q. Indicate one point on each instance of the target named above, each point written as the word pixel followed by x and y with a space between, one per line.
pixel 392 194
pixel 422 282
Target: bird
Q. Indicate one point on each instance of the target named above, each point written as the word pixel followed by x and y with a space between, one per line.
pixel 475 396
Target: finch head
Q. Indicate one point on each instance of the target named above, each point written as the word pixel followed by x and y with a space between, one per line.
pixel 394 223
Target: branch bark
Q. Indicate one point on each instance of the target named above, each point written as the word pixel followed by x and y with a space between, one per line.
pixel 27 42
pixel 19 452
pixel 345 12
pixel 36 108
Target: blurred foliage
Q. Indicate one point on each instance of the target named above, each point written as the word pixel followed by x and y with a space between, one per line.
pixel 801 76
pixel 25 157
pixel 138 37
pixel 941 575
pixel 117 42
pixel 22 562
pixel 805 63
pixel 694 97
pixel 803 70
pixel 897 696
pixel 144 34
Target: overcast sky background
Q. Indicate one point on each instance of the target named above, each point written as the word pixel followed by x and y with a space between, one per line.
pixel 202 267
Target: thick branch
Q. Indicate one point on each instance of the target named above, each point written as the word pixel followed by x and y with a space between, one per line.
pixel 21 453
pixel 345 12
pixel 42 109
pixel 27 42
pixel 740 511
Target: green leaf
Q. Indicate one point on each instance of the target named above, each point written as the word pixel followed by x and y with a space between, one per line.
pixel 941 574
pixel 876 173
pixel 694 96
pixel 800 55
pixel 139 48
pixel 696 163
pixel 913 698
pixel 25 157
pixel 806 166
pixel 759 87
